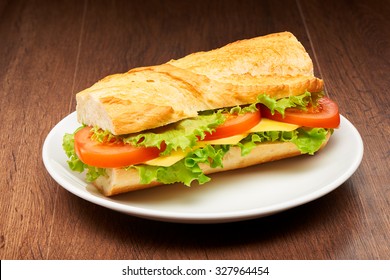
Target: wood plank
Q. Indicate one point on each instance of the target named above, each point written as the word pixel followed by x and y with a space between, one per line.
pixel 352 49
pixel 37 63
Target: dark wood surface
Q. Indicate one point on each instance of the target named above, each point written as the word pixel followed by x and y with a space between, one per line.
pixel 49 50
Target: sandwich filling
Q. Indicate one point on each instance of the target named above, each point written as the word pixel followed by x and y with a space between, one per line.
pixel 173 153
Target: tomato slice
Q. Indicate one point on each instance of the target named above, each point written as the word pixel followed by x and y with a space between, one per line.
pixel 110 155
pixel 235 124
pixel 325 115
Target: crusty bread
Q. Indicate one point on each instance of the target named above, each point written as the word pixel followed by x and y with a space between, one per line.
pixel 120 180
pixel 149 97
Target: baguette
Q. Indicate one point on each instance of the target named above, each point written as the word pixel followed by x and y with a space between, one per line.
pixel 150 97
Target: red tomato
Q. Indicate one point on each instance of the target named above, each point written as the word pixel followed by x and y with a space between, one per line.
pixel 235 124
pixel 325 115
pixel 110 155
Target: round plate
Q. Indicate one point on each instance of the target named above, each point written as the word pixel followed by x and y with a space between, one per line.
pixel 241 194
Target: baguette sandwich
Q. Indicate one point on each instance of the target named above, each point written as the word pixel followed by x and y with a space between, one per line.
pixel 249 102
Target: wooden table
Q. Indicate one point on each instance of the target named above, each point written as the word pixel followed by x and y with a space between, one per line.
pixel 50 50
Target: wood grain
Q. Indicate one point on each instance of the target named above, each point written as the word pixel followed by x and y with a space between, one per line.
pixel 49 50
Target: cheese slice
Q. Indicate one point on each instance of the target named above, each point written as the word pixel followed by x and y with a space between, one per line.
pixel 271 125
pixel 232 140
pixel 264 125
pixel 168 160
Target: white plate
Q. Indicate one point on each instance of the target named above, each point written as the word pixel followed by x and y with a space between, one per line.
pixel 230 196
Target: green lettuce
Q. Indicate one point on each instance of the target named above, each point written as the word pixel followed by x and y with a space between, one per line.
pixel 186 170
pixel 307 140
pixel 299 102
pixel 181 135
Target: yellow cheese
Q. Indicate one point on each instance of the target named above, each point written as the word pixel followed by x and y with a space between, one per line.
pixel 168 160
pixel 271 125
pixel 232 140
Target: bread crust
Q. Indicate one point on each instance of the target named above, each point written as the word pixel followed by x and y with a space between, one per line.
pixel 120 181
pixel 149 97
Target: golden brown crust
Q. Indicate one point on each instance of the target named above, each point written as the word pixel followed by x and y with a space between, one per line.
pixel 120 181
pixel 235 74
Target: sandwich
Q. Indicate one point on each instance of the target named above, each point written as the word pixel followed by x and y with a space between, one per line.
pixel 249 102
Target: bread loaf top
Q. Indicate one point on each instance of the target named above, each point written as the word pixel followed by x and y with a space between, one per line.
pixel 149 97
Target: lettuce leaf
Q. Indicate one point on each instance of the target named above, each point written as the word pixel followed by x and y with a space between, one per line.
pixel 248 143
pixel 310 141
pixel 307 140
pixel 186 170
pixel 181 135
pixel 299 102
